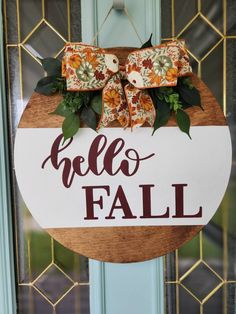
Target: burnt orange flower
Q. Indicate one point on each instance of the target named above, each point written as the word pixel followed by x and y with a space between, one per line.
pixel 92 59
pixel 87 50
pixel 75 61
pixel 171 75
pixel 146 102
pixel 123 120
pixel 133 110
pixel 112 98
pixel 155 79
pixel 139 121
pixel 63 67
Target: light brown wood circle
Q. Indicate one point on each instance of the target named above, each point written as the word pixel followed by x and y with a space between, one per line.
pixel 122 244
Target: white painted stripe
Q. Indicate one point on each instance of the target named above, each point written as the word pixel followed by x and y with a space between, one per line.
pixel 203 163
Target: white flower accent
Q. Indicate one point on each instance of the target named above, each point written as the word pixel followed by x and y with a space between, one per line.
pixel 135 79
pixel 112 62
pixel 162 64
pixel 85 71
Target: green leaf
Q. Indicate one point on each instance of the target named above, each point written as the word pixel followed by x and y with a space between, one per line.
pixel 183 121
pixel 88 116
pixel 189 95
pixel 162 114
pixel 70 126
pixel 185 80
pixel 86 97
pixel 73 101
pixel 52 66
pixel 96 104
pixel 62 110
pixel 46 86
pixel 61 85
pixel 148 43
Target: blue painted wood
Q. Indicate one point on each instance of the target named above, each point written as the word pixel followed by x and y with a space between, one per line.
pixel 135 288
pixel 117 30
pixel 97 287
pixel 7 277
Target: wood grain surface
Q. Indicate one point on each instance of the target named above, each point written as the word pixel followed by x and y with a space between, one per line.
pixel 122 244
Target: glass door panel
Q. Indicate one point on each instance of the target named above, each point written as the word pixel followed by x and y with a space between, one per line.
pixel 50 278
pixel 201 275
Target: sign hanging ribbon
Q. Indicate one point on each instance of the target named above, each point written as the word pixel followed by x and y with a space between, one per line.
pixel 89 68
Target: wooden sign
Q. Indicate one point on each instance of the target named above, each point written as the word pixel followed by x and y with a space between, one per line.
pixel 123 196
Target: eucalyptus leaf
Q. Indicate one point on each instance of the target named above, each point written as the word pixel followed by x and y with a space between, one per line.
pixel 88 116
pixel 183 121
pixel 62 110
pixel 148 43
pixel 46 86
pixel 70 126
pixel 162 114
pixel 52 66
pixel 96 104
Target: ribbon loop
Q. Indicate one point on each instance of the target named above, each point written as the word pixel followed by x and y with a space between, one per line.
pixel 158 66
pixel 87 67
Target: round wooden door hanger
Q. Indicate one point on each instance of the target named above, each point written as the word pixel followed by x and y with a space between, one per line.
pixel 117 195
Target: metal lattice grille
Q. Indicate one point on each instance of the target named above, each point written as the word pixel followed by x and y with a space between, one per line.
pixel 51 279
pixel 201 275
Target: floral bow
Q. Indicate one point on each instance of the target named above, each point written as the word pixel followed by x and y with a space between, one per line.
pixel 89 68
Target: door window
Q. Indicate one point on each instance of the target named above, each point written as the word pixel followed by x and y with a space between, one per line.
pixel 50 278
pixel 201 275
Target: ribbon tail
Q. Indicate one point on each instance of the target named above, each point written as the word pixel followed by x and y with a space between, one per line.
pixel 114 104
pixel 141 107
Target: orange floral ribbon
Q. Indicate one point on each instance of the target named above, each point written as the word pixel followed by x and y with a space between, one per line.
pixel 89 68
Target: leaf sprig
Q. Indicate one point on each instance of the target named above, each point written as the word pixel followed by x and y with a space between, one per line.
pixel 173 101
pixel 75 106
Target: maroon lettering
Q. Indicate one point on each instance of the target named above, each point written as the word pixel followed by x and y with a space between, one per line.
pixel 97 147
pixel 67 175
pixel 124 205
pixel 147 207
pixel 91 202
pixel 120 202
pixel 179 203
pixel 80 167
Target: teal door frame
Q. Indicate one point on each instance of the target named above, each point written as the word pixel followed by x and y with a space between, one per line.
pixel 114 288
pixel 134 288
pixel 7 274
